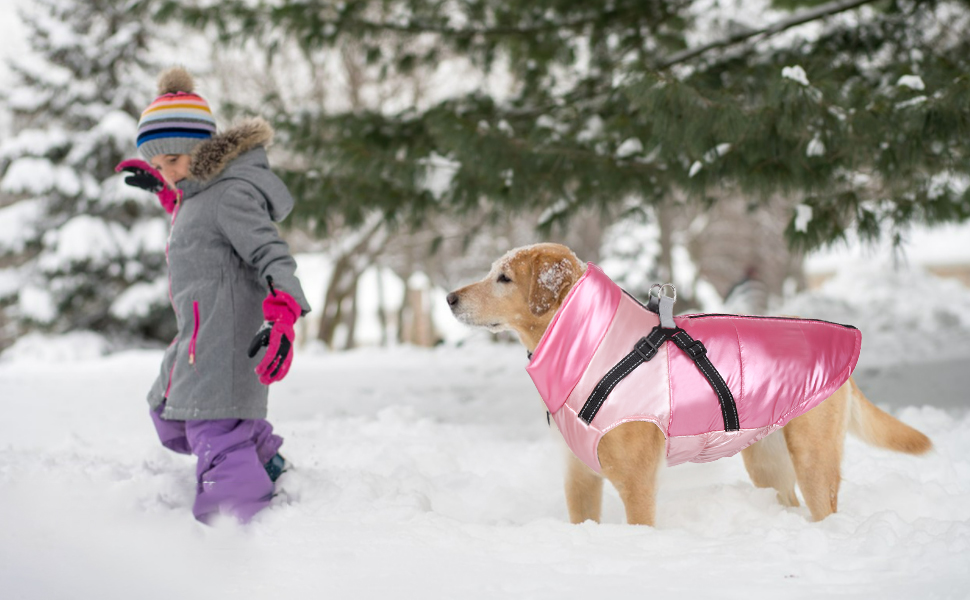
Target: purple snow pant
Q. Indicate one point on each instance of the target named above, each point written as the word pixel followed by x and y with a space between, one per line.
pixel 230 476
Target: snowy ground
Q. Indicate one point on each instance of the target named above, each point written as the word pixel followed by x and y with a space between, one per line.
pixel 431 473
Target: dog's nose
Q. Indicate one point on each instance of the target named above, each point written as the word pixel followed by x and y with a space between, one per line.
pixel 452 299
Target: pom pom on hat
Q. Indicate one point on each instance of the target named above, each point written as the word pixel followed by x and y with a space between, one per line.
pixel 174 80
pixel 177 120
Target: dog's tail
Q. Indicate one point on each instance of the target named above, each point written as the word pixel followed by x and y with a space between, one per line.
pixel 881 429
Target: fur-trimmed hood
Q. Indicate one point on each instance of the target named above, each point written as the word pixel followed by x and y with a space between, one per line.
pixel 239 153
pixel 211 157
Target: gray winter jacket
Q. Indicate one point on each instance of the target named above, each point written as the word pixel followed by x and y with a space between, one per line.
pixel 221 247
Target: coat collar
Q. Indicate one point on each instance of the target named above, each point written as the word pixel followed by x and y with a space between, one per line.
pixel 211 157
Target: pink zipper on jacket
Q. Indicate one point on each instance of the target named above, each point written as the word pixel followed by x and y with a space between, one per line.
pixel 195 332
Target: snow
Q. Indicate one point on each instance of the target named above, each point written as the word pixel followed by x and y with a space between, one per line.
pixel 630 250
pixel 140 298
pixel 39 348
pixel 558 208
pixel 717 151
pixel 695 168
pixel 629 148
pixel 13 35
pixel 913 82
pixel 592 130
pixel 941 183
pixel 947 244
pixel 36 304
pixel 816 147
pixel 86 238
pixel 419 281
pixel 148 235
pixel 796 74
pixel 803 216
pixel 906 315
pixel 918 100
pixel 36 142
pixel 31 175
pixel 433 472
pixel 10 281
pixel 18 224
pixel 115 126
pixel 439 171
pixel 82 238
pixel 551 279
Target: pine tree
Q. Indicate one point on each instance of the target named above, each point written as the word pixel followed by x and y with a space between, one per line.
pixel 863 119
pixel 89 250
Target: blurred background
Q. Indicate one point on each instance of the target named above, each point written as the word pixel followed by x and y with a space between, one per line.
pixel 748 150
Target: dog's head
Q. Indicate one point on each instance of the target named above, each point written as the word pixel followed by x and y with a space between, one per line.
pixel 521 293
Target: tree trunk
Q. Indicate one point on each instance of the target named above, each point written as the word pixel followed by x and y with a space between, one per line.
pixel 356 258
pixel 665 219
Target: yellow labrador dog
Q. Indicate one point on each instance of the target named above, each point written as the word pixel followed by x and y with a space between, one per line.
pixel 522 293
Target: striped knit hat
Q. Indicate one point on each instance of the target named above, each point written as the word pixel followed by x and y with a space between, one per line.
pixel 177 120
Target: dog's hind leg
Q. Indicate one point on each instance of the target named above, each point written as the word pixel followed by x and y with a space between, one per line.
pixel 584 491
pixel 769 466
pixel 815 441
pixel 630 456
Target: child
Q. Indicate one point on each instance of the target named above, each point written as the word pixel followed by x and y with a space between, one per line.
pixel 229 272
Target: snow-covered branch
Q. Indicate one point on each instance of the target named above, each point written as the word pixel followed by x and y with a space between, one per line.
pixel 814 14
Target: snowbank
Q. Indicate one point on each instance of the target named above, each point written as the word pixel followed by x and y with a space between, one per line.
pixel 905 314
pixel 431 473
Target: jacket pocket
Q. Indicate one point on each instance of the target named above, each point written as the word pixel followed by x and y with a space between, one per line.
pixel 195 332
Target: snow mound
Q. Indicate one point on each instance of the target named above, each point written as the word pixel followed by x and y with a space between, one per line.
pixel 905 314
pixel 53 349
pixel 420 470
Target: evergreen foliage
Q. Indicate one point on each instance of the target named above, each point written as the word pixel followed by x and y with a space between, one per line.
pixel 90 250
pixel 863 118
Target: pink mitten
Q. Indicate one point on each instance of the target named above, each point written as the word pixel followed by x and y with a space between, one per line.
pixel 146 177
pixel 280 311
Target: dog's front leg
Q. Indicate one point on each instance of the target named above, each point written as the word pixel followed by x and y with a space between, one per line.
pixel 584 491
pixel 630 457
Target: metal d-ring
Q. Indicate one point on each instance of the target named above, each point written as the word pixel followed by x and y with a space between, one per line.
pixel 664 287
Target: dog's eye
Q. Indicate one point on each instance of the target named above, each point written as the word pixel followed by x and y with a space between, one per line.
pixel 503 278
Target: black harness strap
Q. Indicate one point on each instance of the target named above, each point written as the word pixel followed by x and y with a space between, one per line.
pixel 644 350
pixel 698 353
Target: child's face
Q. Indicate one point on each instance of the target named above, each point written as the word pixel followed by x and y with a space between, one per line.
pixel 173 167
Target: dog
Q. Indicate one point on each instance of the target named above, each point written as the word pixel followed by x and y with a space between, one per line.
pixel 523 292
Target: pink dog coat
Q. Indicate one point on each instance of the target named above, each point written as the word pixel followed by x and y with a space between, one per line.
pixel 775 369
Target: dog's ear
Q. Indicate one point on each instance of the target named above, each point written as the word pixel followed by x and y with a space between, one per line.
pixel 552 278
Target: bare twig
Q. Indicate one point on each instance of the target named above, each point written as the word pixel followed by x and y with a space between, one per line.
pixel 814 14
